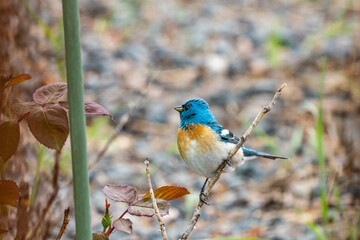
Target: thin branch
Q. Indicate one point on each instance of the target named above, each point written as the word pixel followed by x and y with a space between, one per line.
pixel 221 168
pixel 157 212
pixel 23 212
pixel 55 185
pixel 65 223
pixel 122 122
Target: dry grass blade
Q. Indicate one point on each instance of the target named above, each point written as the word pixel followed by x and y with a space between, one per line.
pixel 65 223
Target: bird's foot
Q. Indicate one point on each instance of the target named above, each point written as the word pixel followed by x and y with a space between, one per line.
pixel 204 198
pixel 227 162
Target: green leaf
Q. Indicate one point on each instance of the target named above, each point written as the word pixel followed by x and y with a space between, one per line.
pixel 106 222
pixel 9 193
pixel 9 139
pixel 49 125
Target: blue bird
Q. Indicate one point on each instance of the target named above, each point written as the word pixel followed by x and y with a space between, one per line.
pixel 204 144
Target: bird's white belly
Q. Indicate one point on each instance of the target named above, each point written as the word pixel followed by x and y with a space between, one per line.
pixel 203 151
pixel 206 163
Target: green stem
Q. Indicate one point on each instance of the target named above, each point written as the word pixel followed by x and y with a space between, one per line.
pixel 77 119
pixel 320 149
pixel 37 175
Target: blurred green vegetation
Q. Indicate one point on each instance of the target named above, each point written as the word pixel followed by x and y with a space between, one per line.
pixel 274 46
pixel 331 215
pixel 55 38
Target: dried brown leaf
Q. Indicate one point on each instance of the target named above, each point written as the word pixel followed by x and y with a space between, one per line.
pixel 168 193
pixel 9 139
pixel 18 79
pixel 9 193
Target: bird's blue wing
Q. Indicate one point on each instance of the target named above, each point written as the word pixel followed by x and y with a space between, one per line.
pixel 225 134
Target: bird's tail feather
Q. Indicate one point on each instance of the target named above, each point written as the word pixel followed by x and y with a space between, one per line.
pixel 251 154
pixel 269 156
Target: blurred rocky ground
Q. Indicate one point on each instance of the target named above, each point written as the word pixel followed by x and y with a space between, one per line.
pixel 143 57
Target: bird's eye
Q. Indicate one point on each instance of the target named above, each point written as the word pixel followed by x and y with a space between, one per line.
pixel 187 106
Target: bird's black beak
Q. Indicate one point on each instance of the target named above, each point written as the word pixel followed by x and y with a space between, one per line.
pixel 179 108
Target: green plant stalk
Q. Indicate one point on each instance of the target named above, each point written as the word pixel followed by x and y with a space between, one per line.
pixel 77 119
pixel 37 174
pixel 356 233
pixel 339 211
pixel 342 213
pixel 320 148
pixel 316 230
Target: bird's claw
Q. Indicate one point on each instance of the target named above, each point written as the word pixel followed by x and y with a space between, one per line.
pixel 228 163
pixel 204 198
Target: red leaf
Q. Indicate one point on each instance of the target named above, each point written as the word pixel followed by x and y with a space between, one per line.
pixel 9 139
pixel 18 79
pixel 20 108
pixel 2 230
pixel 49 93
pixel 120 193
pixel 123 225
pixel 99 236
pixel 144 207
pixel 91 108
pixel 9 193
pixel 169 192
pixel 49 125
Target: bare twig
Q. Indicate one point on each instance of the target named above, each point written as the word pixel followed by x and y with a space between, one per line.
pixel 65 223
pixel 34 230
pixel 122 122
pixel 157 212
pixel 221 168
pixel 23 212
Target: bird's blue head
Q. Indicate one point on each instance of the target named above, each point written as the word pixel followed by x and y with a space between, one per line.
pixel 195 111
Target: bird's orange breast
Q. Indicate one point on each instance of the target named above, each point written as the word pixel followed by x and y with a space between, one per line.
pixel 195 137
